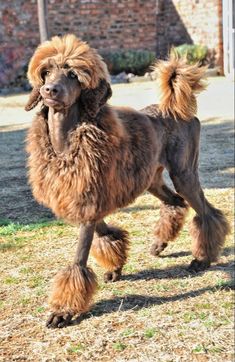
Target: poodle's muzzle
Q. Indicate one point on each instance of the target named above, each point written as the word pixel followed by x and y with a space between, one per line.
pixel 59 90
pixel 52 94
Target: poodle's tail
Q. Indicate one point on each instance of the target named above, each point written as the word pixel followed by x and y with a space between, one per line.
pixel 179 82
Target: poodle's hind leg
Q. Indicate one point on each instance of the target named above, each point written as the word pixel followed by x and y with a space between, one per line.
pixel 73 287
pixel 209 227
pixel 110 249
pixel 172 214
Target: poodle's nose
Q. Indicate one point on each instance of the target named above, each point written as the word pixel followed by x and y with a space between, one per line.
pixel 52 89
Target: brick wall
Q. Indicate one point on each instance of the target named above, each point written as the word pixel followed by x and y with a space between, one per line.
pixel 18 37
pixel 112 24
pixel 193 22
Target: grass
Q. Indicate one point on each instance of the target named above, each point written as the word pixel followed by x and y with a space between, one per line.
pixel 9 228
pixel 14 236
pixel 157 309
pixel 75 349
pixel 119 346
pixel 150 332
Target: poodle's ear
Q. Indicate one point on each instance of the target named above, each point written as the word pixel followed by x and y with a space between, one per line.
pixel 34 98
pixel 93 99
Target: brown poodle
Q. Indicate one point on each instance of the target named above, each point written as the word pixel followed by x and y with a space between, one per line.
pixel 87 159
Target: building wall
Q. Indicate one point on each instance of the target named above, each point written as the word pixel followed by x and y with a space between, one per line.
pixel 113 24
pixel 193 22
pixel 18 37
pixel 119 24
pixel 154 25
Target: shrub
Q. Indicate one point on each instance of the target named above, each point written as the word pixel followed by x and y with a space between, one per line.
pixel 129 61
pixel 193 52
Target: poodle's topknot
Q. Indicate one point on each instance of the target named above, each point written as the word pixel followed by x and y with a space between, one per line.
pixel 69 50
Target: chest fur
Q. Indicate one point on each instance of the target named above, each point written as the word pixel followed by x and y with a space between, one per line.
pixel 70 184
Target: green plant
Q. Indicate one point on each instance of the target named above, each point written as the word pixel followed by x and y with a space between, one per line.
pixel 119 346
pixel 40 309
pixel 134 61
pixel 11 280
pixel 128 332
pixel 193 52
pixel 199 349
pixel 150 332
pixel 35 281
pixel 76 348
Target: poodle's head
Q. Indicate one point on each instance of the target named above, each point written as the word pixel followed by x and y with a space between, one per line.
pixel 65 70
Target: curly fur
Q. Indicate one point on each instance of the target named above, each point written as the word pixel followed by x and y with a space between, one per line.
pixel 171 221
pixel 70 50
pixel 179 82
pixel 111 250
pixel 34 99
pixel 93 164
pixel 72 290
pixel 209 233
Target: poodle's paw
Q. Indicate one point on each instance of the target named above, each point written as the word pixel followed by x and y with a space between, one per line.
pixel 156 249
pixel 59 320
pixel 71 294
pixel 113 276
pixel 198 265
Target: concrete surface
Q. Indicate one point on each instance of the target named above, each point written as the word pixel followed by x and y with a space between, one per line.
pixel 216 101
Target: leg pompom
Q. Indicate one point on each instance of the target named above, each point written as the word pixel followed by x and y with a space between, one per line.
pixel 171 221
pixel 72 290
pixel 110 250
pixel 209 233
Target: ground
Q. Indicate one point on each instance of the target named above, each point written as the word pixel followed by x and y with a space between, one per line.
pixel 158 311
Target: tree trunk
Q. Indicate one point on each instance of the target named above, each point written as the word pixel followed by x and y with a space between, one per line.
pixel 42 19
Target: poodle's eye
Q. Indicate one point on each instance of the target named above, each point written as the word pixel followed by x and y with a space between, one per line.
pixel 45 73
pixel 72 75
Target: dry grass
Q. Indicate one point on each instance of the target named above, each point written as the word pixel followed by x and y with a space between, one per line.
pixel 157 312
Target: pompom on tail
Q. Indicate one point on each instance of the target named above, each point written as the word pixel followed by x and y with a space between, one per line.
pixel 179 83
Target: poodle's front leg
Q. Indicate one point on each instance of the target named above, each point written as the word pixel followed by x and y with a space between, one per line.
pixel 73 287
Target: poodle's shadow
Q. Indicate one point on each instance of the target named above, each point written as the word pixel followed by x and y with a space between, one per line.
pixel 137 302
pixel 180 271
pixel 226 251
pixel 177 254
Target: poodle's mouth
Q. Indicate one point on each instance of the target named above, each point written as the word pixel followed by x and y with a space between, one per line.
pixel 53 102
